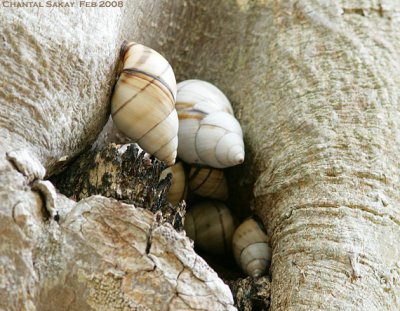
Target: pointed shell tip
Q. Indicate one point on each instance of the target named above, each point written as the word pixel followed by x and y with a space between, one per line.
pixel 239 158
pixel 256 273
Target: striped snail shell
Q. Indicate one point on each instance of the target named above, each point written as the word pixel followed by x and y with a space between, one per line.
pixel 250 248
pixel 211 225
pixel 208 182
pixel 208 133
pixel 143 102
pixel 194 94
pixel 178 190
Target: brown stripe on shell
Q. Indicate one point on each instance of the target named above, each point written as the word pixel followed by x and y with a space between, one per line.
pixel 184 105
pixel 142 59
pixel 189 116
pixel 259 223
pixel 126 45
pixel 165 143
pixel 217 188
pixel 204 180
pixel 135 72
pixel 195 173
pixel 143 76
pixel 188 106
pixel 221 221
pixel 205 100
pixel 124 52
pixel 218 126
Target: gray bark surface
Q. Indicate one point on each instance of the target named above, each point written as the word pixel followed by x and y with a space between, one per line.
pixel 58 68
pixel 315 86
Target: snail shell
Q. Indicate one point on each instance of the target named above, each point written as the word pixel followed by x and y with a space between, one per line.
pixel 211 225
pixel 251 249
pixel 143 101
pixel 178 190
pixel 208 182
pixel 208 133
pixel 198 94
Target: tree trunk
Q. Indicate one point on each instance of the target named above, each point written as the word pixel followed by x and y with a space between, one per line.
pixel 58 68
pixel 315 85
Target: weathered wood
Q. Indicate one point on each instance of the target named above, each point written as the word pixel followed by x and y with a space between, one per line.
pixel 314 85
pixel 58 70
pixel 251 294
pixel 121 172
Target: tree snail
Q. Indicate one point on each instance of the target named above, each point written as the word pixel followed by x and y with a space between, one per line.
pixel 211 225
pixel 208 133
pixel 143 101
pixel 208 182
pixel 251 249
pixel 178 190
pixel 198 93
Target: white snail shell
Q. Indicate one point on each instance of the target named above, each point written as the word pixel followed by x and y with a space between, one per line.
pixel 211 225
pixel 198 94
pixel 251 249
pixel 208 133
pixel 178 190
pixel 208 182
pixel 143 102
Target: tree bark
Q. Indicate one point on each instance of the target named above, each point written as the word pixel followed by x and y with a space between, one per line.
pixel 58 69
pixel 315 86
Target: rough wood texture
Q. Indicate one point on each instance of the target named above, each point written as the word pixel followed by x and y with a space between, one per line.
pixel 104 255
pixel 125 173
pixel 315 85
pixel 58 70
pixel 251 294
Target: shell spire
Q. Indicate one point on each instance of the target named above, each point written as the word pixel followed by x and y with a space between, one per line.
pixel 143 101
pixel 208 133
pixel 250 248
